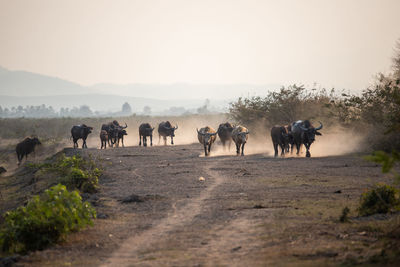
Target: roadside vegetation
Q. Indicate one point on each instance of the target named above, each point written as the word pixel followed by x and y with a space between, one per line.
pixel 45 220
pixel 48 217
pixel 74 172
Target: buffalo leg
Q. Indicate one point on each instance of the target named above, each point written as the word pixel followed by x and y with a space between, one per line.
pixel 243 149
pixel 276 149
pixel 297 148
pixel 282 150
pixel 308 154
pixel 172 140
pixel 205 151
pixel 209 148
pixel 122 141
pixel 144 140
pixel 151 140
pixel 237 149
pixel 140 140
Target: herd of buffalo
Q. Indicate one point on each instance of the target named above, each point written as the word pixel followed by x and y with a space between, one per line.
pixel 286 137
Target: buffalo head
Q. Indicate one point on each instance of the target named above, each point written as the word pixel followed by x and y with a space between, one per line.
pixel 206 136
pixel 311 132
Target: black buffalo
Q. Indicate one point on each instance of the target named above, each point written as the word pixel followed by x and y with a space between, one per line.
pixel 26 147
pixel 145 130
pixel 280 137
pixel 80 132
pixel 113 130
pixel 120 137
pixel 290 144
pixel 165 129
pixel 225 133
pixel 304 133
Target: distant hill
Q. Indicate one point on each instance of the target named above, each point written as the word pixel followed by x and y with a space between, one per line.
pixel 23 83
pixel 22 88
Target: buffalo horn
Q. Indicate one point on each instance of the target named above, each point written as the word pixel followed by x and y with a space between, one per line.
pixel 303 128
pixel 320 127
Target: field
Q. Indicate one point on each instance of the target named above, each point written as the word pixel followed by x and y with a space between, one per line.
pixel 153 209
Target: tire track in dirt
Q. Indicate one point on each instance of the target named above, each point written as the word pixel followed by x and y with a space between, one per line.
pixel 128 253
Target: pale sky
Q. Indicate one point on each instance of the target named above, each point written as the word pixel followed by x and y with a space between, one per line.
pixel 334 43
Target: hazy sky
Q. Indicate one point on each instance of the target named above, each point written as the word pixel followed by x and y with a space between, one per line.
pixel 334 43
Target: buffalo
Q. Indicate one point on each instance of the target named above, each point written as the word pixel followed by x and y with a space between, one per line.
pixel 113 128
pixel 290 144
pixel 225 133
pixel 103 139
pixel 280 137
pixel 26 147
pixel 240 136
pixel 80 131
pixel 165 129
pixel 145 130
pixel 206 136
pixel 304 133
pixel 120 137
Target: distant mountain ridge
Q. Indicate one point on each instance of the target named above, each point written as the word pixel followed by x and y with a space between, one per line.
pixel 23 83
pixel 22 88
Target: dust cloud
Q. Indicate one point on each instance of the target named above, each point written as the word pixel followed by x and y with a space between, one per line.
pixel 335 140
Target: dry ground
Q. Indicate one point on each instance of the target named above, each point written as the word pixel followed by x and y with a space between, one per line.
pixel 253 210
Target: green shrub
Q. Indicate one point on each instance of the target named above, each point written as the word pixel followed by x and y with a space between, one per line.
pixel 74 172
pixel 45 220
pixel 388 161
pixel 381 199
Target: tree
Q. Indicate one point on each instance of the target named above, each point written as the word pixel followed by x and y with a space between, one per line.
pixel 147 110
pixel 126 108
pixel 85 111
pixel 396 61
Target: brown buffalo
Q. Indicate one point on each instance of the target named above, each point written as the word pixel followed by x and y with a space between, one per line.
pixel 280 137
pixel 240 136
pixel 103 138
pixel 206 136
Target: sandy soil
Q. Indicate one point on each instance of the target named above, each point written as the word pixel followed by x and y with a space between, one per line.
pixel 254 210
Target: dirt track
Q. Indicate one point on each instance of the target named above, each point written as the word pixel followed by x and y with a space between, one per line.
pixel 253 210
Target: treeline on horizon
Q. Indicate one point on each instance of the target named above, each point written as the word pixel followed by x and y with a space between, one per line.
pixel 43 111
pixel 84 111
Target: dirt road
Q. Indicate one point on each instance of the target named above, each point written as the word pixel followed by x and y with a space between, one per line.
pixel 254 210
